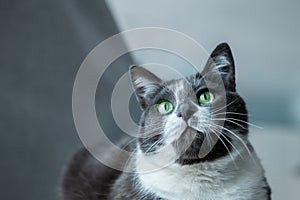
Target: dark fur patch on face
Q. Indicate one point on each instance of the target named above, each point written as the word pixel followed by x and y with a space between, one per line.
pixel 236 120
pixel 147 144
pixel 191 155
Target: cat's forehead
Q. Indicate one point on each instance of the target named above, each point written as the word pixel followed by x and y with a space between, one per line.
pixel 193 82
pixel 181 88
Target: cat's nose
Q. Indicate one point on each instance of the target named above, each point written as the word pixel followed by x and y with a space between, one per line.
pixel 186 111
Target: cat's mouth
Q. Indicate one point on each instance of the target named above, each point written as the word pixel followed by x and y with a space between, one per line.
pixel 193 131
pixel 189 134
pixel 192 146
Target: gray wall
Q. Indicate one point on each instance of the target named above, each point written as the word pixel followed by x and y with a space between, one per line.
pixel 42 46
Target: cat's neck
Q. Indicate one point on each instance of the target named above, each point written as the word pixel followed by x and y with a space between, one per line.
pixel 210 180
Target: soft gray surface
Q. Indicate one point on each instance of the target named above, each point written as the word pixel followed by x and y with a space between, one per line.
pixel 279 149
pixel 42 46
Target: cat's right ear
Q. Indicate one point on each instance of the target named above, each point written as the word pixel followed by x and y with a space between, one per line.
pixel 221 62
pixel 145 84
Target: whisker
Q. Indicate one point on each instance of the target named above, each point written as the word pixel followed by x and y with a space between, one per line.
pixel 128 143
pixel 150 125
pixel 240 139
pixel 221 119
pixel 233 113
pixel 152 132
pixel 153 145
pixel 208 141
pixel 148 138
pixel 220 132
pixel 134 152
pixel 230 154
pixel 251 124
pixel 218 109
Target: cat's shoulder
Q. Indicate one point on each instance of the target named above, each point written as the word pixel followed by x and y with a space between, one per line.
pixel 86 178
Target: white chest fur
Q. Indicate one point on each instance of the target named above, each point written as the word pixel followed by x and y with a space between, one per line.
pixel 205 181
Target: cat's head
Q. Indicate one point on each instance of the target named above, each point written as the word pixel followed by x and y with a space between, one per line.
pixel 199 117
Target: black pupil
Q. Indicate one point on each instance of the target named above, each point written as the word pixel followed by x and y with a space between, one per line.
pixel 206 96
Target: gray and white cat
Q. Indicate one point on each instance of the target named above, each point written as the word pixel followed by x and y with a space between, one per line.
pixel 196 130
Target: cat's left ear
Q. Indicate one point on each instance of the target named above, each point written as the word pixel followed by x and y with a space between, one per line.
pixel 221 61
pixel 145 84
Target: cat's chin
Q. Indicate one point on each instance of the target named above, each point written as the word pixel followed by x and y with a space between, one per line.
pixel 189 145
pixel 199 149
pixel 188 158
pixel 188 161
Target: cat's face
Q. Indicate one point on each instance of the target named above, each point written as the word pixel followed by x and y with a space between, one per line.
pixel 199 117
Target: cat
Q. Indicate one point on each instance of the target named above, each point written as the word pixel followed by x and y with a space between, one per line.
pixel 196 130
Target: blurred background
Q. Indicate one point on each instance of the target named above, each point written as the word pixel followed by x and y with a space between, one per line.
pixel 43 44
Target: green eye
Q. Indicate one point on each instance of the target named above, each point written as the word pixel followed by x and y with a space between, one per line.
pixel 165 107
pixel 206 98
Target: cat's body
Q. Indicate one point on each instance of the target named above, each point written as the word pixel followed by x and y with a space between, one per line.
pixel 195 144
